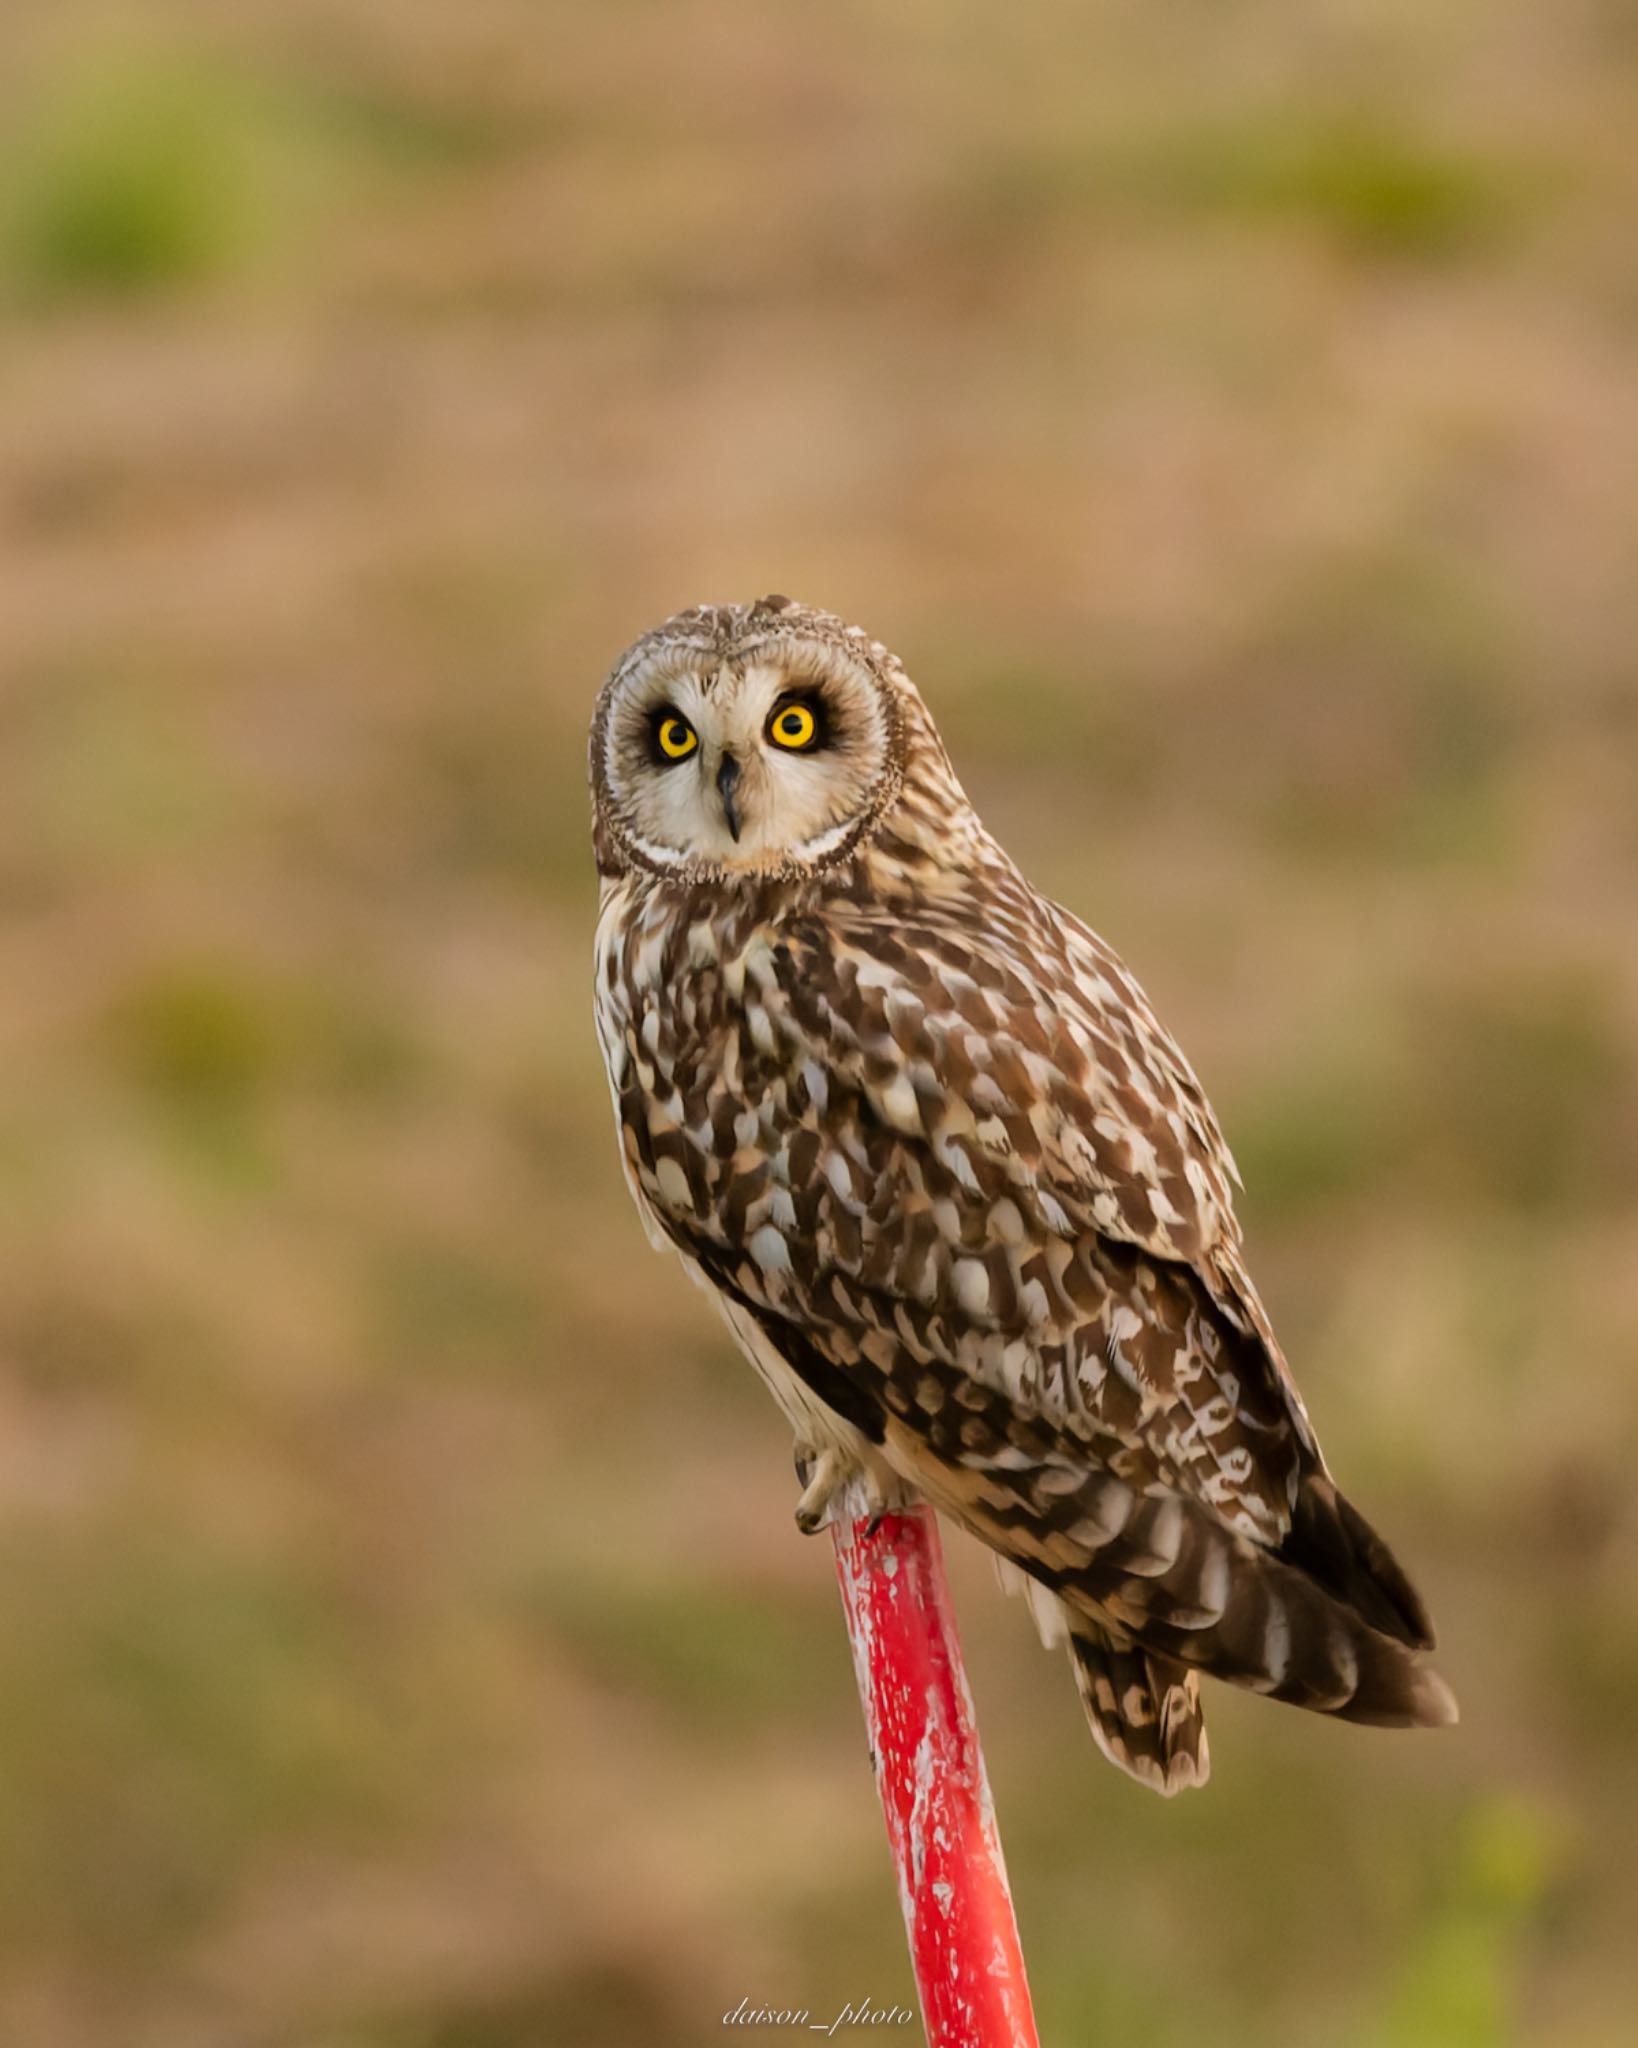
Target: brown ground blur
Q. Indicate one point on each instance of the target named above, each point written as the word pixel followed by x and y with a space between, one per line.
pixel 1232 417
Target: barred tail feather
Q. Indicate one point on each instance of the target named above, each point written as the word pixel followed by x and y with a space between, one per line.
pixel 1144 1712
pixel 1330 1623
pixel 1178 1581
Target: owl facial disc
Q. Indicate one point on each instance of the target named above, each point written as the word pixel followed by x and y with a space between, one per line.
pixel 755 740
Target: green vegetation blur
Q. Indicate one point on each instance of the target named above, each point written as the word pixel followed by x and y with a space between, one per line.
pixel 1231 414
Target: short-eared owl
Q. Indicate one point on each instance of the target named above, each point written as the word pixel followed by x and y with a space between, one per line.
pixel 956 1192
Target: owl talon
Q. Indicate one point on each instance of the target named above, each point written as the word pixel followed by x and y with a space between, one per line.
pixel 824 1478
pixel 839 1490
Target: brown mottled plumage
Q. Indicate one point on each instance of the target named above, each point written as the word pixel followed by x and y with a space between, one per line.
pixel 957 1193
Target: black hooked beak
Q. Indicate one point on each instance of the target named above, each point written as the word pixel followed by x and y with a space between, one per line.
pixel 727 783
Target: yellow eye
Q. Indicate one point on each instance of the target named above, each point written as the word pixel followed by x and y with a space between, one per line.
pixel 677 737
pixel 795 726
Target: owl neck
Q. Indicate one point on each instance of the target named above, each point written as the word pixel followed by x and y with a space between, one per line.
pixel 930 833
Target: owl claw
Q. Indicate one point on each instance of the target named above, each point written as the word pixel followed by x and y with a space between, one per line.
pixel 837 1488
pixel 824 1477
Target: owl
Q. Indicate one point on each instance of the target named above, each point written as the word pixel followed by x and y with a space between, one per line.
pixel 956 1192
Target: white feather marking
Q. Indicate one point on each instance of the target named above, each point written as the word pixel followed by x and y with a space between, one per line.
pixel 1048 1612
pixel 972 1286
pixel 1164 1534
pixel 955 1157
pixel 1032 1299
pixel 1277 1641
pixel 769 1250
pixel 1214 1587
pixel 1010 1458
pixel 899 1105
pixel 1018 1374
pixel 1056 1480
pixel 1111 1510
pixel 1347 1663
pixel 1006 1222
pixel 1124 1323
pixel 761 1028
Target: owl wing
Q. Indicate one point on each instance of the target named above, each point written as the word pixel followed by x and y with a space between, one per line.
pixel 1063 1182
pixel 975 1199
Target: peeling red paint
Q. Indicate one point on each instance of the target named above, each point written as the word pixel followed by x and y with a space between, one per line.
pixel 934 1791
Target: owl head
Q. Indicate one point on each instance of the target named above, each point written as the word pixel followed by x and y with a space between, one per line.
pixel 752 739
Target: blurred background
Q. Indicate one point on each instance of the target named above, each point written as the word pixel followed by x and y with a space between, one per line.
pixel 1231 415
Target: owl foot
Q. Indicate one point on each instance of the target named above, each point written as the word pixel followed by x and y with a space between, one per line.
pixel 825 1476
pixel 837 1488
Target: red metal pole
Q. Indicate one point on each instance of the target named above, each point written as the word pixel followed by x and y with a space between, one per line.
pixel 934 1792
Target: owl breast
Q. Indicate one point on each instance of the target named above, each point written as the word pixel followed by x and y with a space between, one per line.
pixel 717 1126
